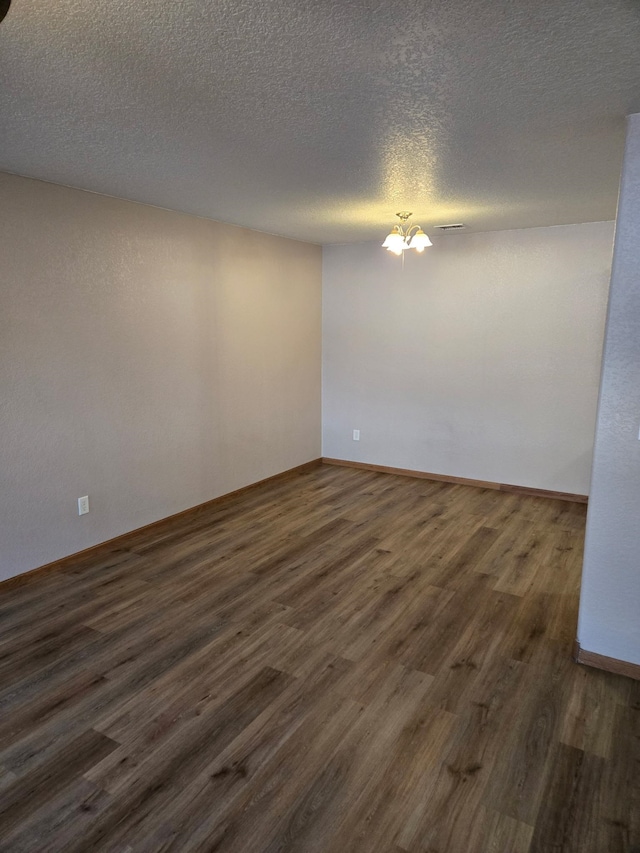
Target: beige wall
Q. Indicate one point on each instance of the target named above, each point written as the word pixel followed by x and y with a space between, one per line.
pixel 480 359
pixel 149 359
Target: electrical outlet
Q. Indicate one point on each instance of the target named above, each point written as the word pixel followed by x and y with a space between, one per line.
pixel 83 505
pixel 356 435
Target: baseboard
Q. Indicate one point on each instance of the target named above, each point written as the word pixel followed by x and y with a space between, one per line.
pixel 618 667
pixel 121 541
pixel 461 481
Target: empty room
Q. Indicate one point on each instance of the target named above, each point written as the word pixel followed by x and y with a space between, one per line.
pixel 319 426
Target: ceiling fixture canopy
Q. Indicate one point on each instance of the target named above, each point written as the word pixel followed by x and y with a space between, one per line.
pixel 406 236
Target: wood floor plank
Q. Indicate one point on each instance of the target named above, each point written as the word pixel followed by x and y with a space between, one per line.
pixel 67 814
pixel 570 815
pixel 30 791
pixel 505 835
pixel 531 742
pixel 342 661
pixel 145 793
pixel 251 819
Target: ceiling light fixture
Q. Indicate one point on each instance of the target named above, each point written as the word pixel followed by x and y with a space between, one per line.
pixel 406 236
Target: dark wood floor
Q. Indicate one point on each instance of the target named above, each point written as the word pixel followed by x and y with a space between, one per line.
pixel 340 661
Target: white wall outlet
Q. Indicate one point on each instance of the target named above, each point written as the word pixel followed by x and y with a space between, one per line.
pixel 83 505
pixel 356 435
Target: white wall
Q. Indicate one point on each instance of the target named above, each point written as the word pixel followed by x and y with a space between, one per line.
pixel 609 622
pixel 148 359
pixel 479 359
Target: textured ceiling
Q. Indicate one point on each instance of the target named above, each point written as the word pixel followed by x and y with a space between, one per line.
pixel 319 119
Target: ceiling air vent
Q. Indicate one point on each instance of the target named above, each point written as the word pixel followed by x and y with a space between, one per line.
pixel 457 226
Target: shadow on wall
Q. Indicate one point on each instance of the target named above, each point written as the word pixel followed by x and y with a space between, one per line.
pixel 575 467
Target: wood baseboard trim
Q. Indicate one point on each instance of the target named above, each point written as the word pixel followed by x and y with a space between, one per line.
pixel 618 667
pixel 460 481
pixel 122 540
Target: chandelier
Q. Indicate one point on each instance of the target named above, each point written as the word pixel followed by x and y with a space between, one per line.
pixel 406 236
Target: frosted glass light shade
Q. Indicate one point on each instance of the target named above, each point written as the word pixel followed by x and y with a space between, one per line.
pixel 420 241
pixel 395 241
